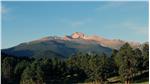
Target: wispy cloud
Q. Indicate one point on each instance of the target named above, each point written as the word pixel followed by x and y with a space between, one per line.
pixel 109 5
pixel 121 4
pixel 3 10
pixel 76 23
pixel 131 26
pixel 142 31
pixel 139 29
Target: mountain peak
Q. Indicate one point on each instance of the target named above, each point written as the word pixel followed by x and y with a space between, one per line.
pixel 76 35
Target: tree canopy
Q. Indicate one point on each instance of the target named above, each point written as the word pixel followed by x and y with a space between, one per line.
pixel 127 63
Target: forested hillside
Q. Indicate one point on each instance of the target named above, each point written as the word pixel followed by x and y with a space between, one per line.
pixel 128 64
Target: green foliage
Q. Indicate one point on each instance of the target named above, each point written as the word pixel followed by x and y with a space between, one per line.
pixel 32 74
pixel 127 62
pixel 20 66
pixel 79 68
pixel 96 68
pixel 130 61
pixel 7 69
pixel 139 58
pixel 145 53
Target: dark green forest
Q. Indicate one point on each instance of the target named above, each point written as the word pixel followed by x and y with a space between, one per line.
pixel 129 64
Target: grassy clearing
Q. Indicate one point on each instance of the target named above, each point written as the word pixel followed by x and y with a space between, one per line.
pixel 116 79
pixel 146 82
pixel 143 81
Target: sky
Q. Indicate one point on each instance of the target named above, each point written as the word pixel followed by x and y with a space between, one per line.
pixel 29 20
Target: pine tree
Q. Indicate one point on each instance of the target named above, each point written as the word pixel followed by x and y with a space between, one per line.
pixel 126 62
pixel 33 74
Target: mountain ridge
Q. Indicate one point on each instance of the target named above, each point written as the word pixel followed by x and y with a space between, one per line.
pixel 111 43
pixel 66 46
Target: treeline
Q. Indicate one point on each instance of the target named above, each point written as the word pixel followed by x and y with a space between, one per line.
pixel 80 68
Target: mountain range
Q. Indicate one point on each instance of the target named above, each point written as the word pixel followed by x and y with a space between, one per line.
pixel 66 46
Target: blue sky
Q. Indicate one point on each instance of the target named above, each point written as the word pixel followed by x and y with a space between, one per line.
pixel 27 21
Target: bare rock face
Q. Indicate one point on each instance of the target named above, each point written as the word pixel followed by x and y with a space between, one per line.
pixel 77 35
pixel 66 38
pixel 111 43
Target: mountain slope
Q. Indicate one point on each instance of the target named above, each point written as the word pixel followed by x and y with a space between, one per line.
pixel 63 47
pixel 55 48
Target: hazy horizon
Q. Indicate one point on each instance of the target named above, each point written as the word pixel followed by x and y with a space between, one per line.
pixel 27 21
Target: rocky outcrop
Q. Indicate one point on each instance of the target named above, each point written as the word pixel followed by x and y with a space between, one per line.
pixel 78 36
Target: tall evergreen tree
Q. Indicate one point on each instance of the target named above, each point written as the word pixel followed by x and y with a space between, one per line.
pixel 145 53
pixel 126 61
pixel 7 69
pixel 19 69
pixel 139 58
pixel 33 74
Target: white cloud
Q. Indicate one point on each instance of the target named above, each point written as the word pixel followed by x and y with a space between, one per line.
pixel 120 4
pixel 109 5
pixel 76 23
pixel 142 31
pixel 137 28
pixel 3 10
